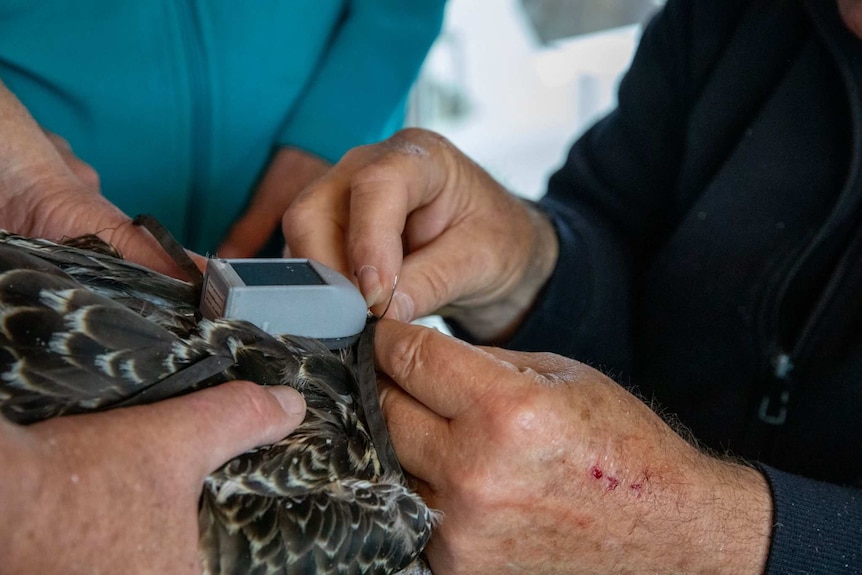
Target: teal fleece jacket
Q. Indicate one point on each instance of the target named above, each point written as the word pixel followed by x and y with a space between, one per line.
pixel 179 105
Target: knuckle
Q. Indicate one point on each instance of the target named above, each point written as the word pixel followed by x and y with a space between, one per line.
pixel 251 399
pixel 523 417
pixel 366 180
pixel 58 141
pixel 408 353
pixel 386 167
pixel 418 140
pixel 438 285
pixel 296 217
pixel 357 153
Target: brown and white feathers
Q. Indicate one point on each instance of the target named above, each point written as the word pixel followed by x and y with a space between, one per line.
pixel 83 331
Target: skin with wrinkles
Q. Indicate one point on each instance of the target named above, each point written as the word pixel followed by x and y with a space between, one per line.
pixel 408 207
pixel 110 487
pixel 535 470
pixel 538 464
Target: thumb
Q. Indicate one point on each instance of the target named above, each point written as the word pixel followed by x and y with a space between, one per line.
pixel 211 426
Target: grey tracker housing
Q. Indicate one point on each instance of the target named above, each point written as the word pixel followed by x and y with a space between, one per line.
pixel 285 296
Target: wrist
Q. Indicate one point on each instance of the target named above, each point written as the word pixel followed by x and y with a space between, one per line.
pixel 733 528
pixel 702 515
pixel 496 320
pixel 750 525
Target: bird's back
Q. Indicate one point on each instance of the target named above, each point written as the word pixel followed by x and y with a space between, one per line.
pixel 83 331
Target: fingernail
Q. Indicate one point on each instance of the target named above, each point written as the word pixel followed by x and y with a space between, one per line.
pixel 402 307
pixel 291 400
pixel 382 393
pixel 369 284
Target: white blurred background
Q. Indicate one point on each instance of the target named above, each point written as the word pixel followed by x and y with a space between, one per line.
pixel 514 82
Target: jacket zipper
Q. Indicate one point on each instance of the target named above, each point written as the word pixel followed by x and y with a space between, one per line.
pixel 774 402
pixel 773 405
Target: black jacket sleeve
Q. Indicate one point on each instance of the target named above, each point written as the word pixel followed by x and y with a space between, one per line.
pixel 610 200
pixel 817 527
pixel 612 203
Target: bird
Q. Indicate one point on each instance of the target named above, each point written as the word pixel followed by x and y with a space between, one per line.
pixel 83 330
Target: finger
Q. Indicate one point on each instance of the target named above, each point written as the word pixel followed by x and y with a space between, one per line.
pixel 382 197
pixel 400 184
pixel 417 432
pixel 315 222
pixel 549 368
pixel 209 427
pixel 59 141
pixel 199 260
pixel 353 218
pixel 75 213
pixel 434 276
pixel 445 374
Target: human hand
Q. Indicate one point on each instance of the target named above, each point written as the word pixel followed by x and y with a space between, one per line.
pixel 541 464
pixel 83 171
pixel 117 492
pixel 289 171
pixel 416 207
pixel 47 191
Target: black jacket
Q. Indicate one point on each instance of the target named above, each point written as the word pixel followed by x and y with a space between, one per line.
pixel 711 252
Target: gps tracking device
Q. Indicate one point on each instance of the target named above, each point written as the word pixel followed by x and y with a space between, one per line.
pixel 285 296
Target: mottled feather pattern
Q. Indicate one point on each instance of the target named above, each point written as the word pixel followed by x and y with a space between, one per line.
pixel 83 330
pixel 164 300
pixel 67 350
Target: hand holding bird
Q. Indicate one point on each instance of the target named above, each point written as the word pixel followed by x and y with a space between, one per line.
pixel 84 331
pixel 117 492
pixel 543 465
